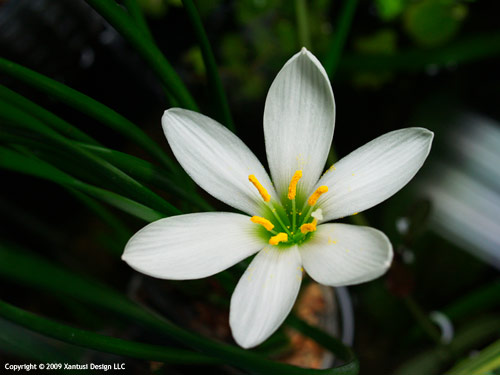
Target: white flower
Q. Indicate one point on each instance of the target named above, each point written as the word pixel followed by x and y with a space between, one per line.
pixel 299 119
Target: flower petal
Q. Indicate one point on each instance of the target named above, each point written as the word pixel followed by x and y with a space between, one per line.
pixel 216 159
pixel 192 246
pixel 299 118
pixel 343 254
pixel 265 295
pixel 374 172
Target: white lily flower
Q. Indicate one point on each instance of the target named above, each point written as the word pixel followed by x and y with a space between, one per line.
pixel 299 119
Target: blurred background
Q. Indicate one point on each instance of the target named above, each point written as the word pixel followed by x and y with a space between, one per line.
pixel 392 63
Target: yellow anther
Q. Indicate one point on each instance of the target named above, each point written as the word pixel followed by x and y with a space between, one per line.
pixel 314 197
pixel 262 191
pixel 264 222
pixel 280 237
pixel 310 227
pixel 292 188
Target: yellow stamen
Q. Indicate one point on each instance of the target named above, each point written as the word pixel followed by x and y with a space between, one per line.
pixel 292 188
pixel 280 237
pixel 310 227
pixel 262 191
pixel 314 197
pixel 264 222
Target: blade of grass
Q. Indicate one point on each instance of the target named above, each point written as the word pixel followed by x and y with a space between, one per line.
pixel 45 116
pixel 471 304
pixel 102 169
pixel 20 163
pixel 95 341
pixel 343 23
pixel 475 302
pixel 146 172
pixel 33 271
pixel 219 95
pixel 135 12
pixel 124 24
pixel 137 168
pixel 89 107
pixel 121 233
pixel 23 343
pixel 473 333
pixel 332 58
pixel 483 363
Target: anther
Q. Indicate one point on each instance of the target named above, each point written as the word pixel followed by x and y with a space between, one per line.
pixel 314 197
pixel 292 188
pixel 262 191
pixel 310 227
pixel 280 237
pixel 264 222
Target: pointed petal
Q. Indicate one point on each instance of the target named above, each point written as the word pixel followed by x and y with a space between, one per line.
pixel 374 172
pixel 192 246
pixel 299 118
pixel 343 254
pixel 265 295
pixel 216 159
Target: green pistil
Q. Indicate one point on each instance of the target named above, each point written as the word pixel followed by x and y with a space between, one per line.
pixel 273 210
pixel 293 215
pixel 308 215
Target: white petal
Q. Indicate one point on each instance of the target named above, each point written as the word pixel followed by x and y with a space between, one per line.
pixel 343 254
pixel 192 246
pixel 374 172
pixel 299 118
pixel 216 159
pixel 265 295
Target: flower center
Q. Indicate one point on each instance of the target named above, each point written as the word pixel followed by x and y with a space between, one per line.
pixel 288 227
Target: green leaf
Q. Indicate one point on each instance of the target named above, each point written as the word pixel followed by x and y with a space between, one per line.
pixel 344 21
pixel 23 343
pixel 121 233
pixel 475 302
pixel 89 107
pixel 103 170
pixel 33 271
pixel 220 99
pixel 430 362
pixel 99 342
pixel 124 24
pixel 29 165
pixel 45 116
pixel 136 14
pixel 146 172
pixel 487 361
